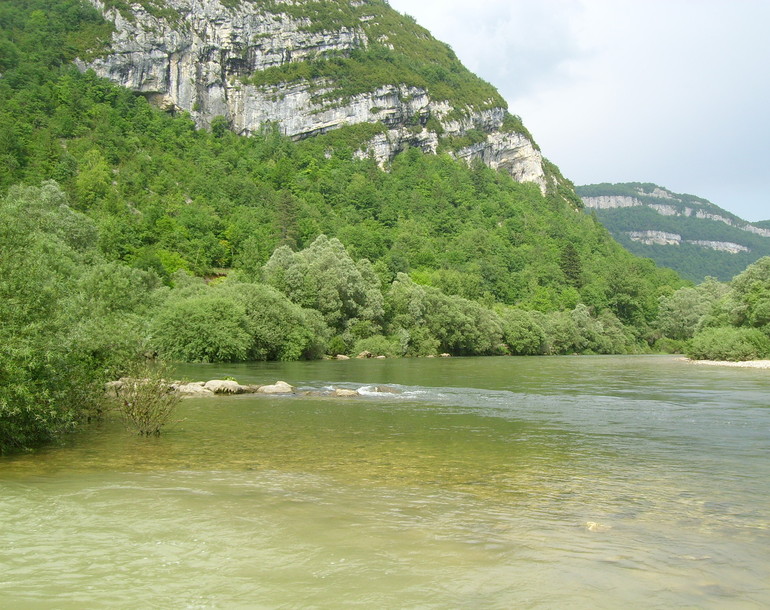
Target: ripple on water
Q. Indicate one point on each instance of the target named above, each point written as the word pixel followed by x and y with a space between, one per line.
pixel 477 488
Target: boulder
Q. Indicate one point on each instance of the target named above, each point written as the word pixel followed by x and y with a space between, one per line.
pixel 445 355
pixel 380 357
pixel 224 386
pixel 279 387
pixel 344 393
pixel 192 389
pixel 342 357
pixel 365 354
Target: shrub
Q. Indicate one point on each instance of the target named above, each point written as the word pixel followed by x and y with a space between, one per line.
pixel 279 329
pixel 146 400
pixel 521 332
pixel 378 345
pixel 728 343
pixel 202 328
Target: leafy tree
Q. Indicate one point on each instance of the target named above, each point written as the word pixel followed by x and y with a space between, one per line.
pixel 522 333
pixel 682 312
pixel 749 296
pixel 729 343
pixel 58 345
pixel 202 327
pixel 324 277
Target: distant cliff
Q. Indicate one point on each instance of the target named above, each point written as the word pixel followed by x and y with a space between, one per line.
pixel 684 232
pixel 310 67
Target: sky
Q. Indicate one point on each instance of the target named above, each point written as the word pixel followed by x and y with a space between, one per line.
pixel 674 92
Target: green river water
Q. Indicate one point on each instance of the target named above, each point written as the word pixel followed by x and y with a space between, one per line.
pixel 564 482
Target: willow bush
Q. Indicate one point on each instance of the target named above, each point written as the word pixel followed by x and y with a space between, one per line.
pixel 146 400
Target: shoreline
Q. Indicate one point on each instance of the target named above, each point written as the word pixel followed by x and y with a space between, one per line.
pixel 746 364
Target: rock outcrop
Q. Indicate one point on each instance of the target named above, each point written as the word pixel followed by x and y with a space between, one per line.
pixel 279 387
pixel 201 57
pixel 687 233
pixel 685 206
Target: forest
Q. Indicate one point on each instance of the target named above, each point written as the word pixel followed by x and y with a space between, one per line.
pixel 128 234
pixel 694 262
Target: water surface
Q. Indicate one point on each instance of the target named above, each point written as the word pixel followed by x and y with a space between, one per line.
pixel 580 482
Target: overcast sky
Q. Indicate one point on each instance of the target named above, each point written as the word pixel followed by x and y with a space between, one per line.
pixel 675 92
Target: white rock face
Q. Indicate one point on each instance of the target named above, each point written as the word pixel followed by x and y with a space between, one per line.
pixel 609 202
pixel 660 238
pixel 665 210
pixel 512 152
pixel 721 246
pixel 199 64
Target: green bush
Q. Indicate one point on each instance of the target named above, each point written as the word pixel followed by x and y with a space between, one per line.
pixel 670 346
pixel 206 327
pixel 145 398
pixel 324 277
pixel 521 333
pixel 378 345
pixel 279 329
pixel 64 332
pixel 430 320
pixel 729 343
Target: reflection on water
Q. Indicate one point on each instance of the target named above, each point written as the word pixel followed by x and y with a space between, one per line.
pixel 502 482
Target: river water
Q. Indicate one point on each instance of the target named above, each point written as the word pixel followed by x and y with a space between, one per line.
pixel 564 482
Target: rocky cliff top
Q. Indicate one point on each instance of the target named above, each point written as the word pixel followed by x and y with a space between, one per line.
pixel 311 66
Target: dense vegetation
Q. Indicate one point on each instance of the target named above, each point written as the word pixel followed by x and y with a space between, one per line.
pixel 398 49
pixel 126 231
pixel 692 261
pixel 721 321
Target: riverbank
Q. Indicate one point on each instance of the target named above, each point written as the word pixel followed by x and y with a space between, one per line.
pixel 748 364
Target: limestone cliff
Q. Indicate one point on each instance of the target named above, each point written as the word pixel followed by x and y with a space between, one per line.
pixel 311 66
pixel 666 203
pixel 684 232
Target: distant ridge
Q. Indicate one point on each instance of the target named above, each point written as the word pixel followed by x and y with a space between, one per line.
pixel 683 232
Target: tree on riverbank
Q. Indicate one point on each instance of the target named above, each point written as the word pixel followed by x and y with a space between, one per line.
pixel 738 325
pixel 715 321
pixel 65 328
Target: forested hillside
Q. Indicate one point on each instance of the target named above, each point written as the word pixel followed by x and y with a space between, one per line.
pixel 683 232
pixel 127 231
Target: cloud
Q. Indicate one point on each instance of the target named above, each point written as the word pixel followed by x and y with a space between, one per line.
pixel 514 45
pixel 667 91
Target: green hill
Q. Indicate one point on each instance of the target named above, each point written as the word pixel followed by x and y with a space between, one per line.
pixel 128 229
pixel 683 232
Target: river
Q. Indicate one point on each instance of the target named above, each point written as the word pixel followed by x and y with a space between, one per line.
pixel 553 482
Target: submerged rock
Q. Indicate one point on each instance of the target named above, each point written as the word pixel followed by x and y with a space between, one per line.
pixel 386 389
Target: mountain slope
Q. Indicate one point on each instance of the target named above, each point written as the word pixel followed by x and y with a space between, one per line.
pixel 167 196
pixel 311 67
pixel 686 233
